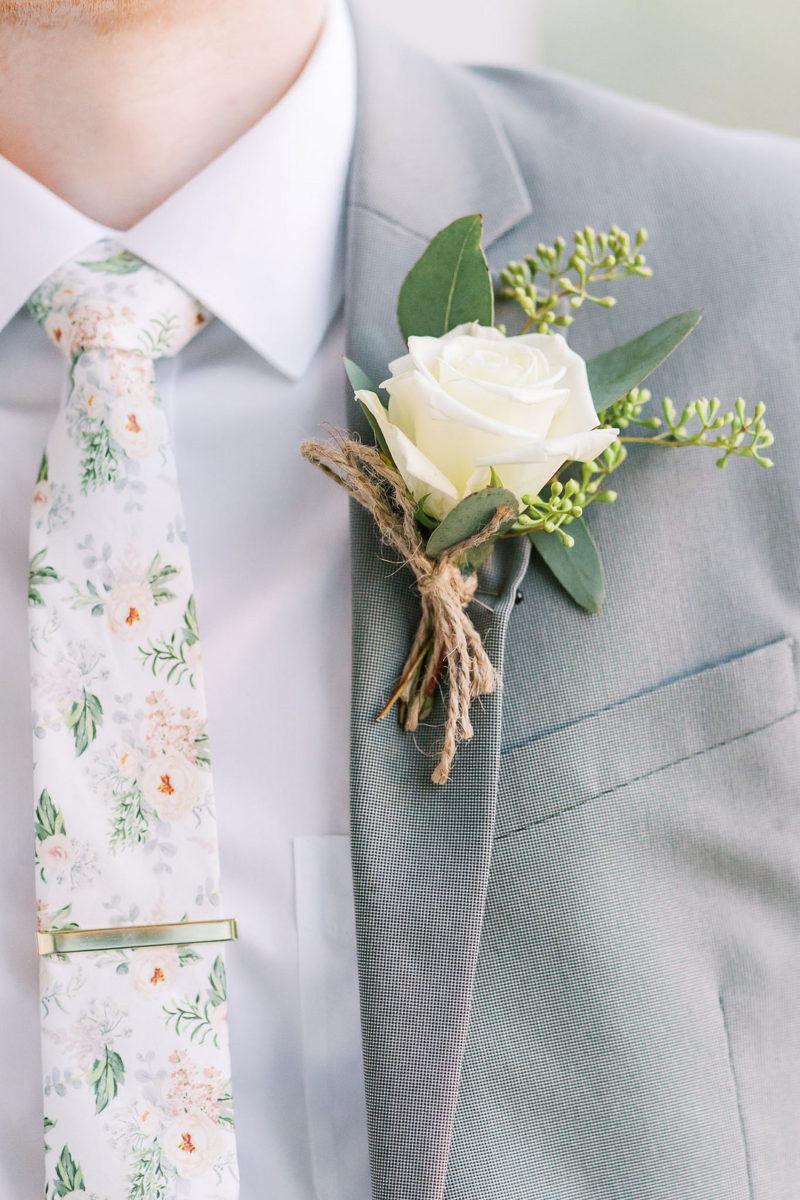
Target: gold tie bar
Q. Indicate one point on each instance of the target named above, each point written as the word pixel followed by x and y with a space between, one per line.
pixel 133 937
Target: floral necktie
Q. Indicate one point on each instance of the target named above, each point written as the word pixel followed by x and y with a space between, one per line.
pixel 136 1066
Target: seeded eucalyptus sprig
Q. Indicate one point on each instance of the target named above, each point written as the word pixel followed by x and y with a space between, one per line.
pixel 567 501
pixel 596 258
pixel 628 411
pixel 733 432
pixel 700 423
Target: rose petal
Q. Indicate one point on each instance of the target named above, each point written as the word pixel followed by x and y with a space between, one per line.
pixel 479 479
pixel 420 475
pixel 426 379
pixel 444 407
pixel 573 447
pixel 579 413
pixel 526 470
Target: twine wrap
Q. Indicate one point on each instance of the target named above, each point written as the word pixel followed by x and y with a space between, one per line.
pixel 445 635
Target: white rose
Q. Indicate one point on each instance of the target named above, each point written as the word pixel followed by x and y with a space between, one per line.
pixel 154 971
pixel 138 426
pixel 475 399
pixel 129 609
pixel 56 854
pixel 192 1143
pixel 172 785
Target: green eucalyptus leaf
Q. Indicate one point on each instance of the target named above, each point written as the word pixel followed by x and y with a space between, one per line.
pixel 361 382
pixel 469 517
pixel 477 556
pixel 449 285
pixel 614 373
pixel 578 569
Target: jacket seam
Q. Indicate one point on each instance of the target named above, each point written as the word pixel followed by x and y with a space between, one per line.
pixel 645 775
pixel 737 1093
pixel 380 215
pixel 387 220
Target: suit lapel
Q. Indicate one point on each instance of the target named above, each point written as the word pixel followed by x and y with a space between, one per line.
pixel 426 153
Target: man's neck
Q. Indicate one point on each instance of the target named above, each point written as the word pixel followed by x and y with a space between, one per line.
pixel 115 113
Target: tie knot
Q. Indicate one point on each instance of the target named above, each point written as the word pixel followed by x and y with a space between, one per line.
pixel 108 299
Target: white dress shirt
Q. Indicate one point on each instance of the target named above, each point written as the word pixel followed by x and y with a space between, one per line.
pixel 258 237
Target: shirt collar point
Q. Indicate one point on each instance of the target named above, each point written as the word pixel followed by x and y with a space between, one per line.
pixel 290 355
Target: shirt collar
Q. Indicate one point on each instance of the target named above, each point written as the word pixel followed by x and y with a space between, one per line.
pixel 257 235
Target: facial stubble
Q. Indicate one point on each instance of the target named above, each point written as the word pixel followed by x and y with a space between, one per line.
pixel 48 14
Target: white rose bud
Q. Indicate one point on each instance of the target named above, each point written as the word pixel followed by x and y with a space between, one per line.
pixel 475 399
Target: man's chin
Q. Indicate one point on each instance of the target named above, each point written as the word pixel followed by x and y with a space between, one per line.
pixel 45 14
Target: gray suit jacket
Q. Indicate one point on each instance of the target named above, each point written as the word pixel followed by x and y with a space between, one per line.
pixel 579 961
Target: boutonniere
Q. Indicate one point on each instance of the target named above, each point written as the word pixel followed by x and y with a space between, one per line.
pixel 481 434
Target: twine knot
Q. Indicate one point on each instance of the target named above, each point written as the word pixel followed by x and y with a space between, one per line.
pixel 445 635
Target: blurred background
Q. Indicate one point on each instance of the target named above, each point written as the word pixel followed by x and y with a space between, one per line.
pixel 734 62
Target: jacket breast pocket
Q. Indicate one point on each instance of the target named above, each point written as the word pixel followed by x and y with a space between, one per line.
pixel 634 1021
pixel 644 735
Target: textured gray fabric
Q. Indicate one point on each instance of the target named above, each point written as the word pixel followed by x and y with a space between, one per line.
pixel 580 960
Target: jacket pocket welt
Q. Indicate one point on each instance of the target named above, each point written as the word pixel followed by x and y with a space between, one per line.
pixel 643 735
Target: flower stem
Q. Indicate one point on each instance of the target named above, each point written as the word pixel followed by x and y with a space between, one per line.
pixel 407 675
pixel 654 441
pixel 434 679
